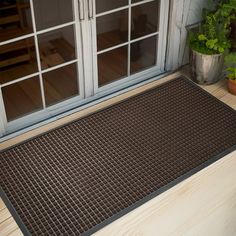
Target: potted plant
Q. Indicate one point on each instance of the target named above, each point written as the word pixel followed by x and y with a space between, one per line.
pixel 208 42
pixel 230 62
pixel 231 6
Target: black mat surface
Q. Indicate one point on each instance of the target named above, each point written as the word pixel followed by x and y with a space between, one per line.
pixel 82 176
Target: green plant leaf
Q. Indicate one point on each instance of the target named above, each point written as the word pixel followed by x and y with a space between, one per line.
pixel 212 36
pixel 202 37
pixel 221 50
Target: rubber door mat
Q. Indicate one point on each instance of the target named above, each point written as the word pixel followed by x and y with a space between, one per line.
pixel 78 178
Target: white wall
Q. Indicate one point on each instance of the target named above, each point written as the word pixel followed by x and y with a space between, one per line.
pixel 193 15
pixel 182 13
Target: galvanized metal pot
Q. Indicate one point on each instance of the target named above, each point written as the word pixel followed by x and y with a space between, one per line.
pixel 206 69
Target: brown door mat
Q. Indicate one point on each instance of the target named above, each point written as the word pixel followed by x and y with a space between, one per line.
pixel 78 178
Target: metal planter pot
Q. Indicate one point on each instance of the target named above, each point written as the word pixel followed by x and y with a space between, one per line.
pixel 206 69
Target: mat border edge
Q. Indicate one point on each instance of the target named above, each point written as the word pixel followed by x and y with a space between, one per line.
pixel 142 201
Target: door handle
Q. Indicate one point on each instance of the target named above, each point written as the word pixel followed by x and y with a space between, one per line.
pixel 90 9
pixel 81 9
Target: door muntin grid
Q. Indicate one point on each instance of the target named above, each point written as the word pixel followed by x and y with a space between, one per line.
pixel 87 86
pixel 128 34
pixel 48 49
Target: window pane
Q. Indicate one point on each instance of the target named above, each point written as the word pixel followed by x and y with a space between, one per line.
pixel 112 29
pixel 145 19
pixel 57 47
pixel 60 84
pixel 112 65
pixel 15 19
pixel 17 59
pixel 49 13
pixel 143 54
pixel 22 98
pixel 106 5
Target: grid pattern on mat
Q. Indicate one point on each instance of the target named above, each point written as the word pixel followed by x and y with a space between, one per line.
pixel 73 178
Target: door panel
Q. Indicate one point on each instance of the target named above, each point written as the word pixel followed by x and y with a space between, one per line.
pixel 112 65
pixel 144 18
pixel 18 59
pixel 50 13
pixel 57 47
pixel 107 5
pixel 60 84
pixel 112 29
pixel 143 54
pixel 40 59
pixel 58 54
pixel 12 13
pixel 19 99
pixel 126 39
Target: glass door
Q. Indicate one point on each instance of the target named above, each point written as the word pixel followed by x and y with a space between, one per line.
pixel 41 70
pixel 56 55
pixel 130 37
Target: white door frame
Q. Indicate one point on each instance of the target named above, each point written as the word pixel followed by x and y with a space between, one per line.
pixel 86 31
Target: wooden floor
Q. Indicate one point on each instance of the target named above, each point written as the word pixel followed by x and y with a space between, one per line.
pixel 121 226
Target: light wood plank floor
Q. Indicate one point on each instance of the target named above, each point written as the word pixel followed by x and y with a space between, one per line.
pixel 219 90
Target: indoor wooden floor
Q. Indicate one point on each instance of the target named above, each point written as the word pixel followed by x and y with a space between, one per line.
pixel 219 90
